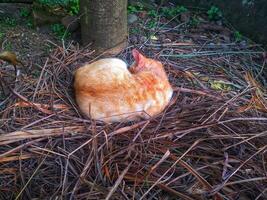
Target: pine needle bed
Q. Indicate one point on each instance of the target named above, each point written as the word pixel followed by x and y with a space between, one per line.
pixel 210 142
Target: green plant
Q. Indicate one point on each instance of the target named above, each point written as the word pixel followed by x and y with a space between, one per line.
pixel 151 24
pixel 29 23
pixel 214 13
pixel 238 36
pixel 60 31
pixel 181 9
pixel 132 9
pixel 24 12
pixel 73 7
pixel 194 21
pixel 2 35
pixel 152 13
pixel 9 21
pixel 36 73
pixel 8 46
pixel 134 30
pixel 135 8
pixel 172 12
pixel 140 6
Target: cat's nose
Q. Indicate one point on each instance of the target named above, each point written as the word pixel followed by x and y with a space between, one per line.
pixel 132 69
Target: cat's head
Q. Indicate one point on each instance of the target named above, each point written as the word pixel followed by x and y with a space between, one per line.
pixel 143 63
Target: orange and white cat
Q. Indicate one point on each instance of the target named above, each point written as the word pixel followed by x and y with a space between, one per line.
pixel 106 90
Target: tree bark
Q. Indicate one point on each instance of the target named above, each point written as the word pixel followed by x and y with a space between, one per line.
pixel 104 24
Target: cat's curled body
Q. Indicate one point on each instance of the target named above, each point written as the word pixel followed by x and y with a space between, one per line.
pixel 106 90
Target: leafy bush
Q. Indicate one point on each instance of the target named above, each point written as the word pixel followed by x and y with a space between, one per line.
pixel 172 12
pixel 151 24
pixel 135 8
pixel 2 35
pixel 194 21
pixel 165 11
pixel 152 13
pixel 60 31
pixel 9 21
pixel 24 12
pixel 72 6
pixel 214 13
pixel 238 36
pixel 29 23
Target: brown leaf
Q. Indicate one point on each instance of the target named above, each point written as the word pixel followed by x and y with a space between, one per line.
pixel 10 57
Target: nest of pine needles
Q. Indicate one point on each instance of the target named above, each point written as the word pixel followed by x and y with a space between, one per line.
pixel 209 143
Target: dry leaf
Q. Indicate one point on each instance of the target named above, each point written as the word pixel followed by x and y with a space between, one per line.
pixel 220 85
pixel 10 57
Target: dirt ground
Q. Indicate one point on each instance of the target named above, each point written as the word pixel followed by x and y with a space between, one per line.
pixel 18 36
pixel 32 45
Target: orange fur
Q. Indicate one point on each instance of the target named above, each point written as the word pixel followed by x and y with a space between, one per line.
pixel 106 90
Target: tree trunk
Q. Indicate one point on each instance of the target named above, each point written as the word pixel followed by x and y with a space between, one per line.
pixel 104 24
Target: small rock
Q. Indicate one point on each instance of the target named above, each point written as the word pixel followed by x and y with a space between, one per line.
pixel 243 43
pixel 219 22
pixel 212 45
pixel 134 39
pixel 132 18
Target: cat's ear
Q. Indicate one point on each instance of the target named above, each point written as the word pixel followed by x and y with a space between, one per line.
pixel 138 57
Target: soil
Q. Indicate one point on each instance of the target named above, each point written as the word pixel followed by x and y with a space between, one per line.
pixel 29 43
pixel 32 45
